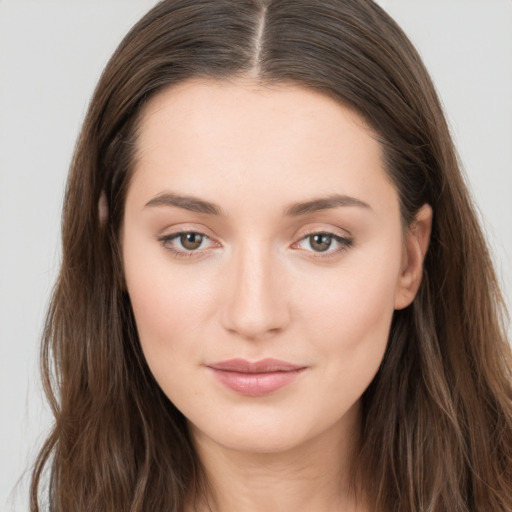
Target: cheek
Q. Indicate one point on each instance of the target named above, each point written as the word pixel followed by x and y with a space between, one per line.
pixel 355 296
pixel 348 314
pixel 166 304
pixel 170 312
pixel 169 304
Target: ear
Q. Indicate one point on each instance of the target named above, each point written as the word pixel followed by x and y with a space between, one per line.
pixel 416 243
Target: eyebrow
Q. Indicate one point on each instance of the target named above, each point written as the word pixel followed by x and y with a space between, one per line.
pixel 194 204
pixel 324 203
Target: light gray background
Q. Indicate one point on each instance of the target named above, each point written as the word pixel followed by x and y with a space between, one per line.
pixel 51 54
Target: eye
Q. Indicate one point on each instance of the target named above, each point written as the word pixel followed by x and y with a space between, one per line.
pixel 186 243
pixel 323 242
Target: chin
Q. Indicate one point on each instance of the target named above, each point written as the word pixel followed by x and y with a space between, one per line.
pixel 256 442
pixel 271 434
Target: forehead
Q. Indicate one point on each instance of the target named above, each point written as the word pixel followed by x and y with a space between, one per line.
pixel 249 113
pixel 214 138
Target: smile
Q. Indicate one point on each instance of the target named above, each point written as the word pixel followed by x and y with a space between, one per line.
pixel 255 378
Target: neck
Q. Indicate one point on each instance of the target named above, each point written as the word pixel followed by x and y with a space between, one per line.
pixel 314 477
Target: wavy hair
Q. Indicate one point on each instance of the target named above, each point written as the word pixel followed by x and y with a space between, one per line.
pixel 437 418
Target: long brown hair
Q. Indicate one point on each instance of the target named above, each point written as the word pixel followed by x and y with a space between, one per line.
pixel 437 419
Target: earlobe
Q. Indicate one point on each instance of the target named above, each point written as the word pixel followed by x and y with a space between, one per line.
pixel 416 244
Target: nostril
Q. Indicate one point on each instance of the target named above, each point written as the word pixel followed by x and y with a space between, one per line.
pixel 255 319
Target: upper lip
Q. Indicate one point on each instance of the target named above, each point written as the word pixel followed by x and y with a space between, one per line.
pixel 263 366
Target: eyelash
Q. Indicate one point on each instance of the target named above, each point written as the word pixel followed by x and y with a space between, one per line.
pixel 164 240
pixel 345 243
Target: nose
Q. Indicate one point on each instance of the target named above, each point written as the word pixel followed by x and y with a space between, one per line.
pixel 255 305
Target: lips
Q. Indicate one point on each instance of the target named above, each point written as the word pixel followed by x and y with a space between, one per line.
pixel 256 378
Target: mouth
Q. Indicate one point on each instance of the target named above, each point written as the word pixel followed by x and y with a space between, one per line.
pixel 256 378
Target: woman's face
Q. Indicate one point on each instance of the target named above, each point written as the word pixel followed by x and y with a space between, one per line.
pixel 264 257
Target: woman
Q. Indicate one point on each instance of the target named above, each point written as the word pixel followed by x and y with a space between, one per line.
pixel 274 292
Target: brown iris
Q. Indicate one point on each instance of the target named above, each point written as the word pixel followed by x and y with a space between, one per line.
pixel 320 242
pixel 191 241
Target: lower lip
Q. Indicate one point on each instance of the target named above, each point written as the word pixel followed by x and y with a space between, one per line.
pixel 256 384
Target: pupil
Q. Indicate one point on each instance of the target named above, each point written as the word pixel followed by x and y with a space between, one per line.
pixel 320 243
pixel 191 241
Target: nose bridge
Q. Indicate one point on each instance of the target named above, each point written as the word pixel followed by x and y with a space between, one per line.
pixel 256 305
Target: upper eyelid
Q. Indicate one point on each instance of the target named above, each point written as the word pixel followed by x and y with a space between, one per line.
pixel 324 232
pixel 306 229
pixel 318 231
pixel 185 227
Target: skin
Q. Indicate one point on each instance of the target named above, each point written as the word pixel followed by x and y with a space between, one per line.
pixel 258 287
